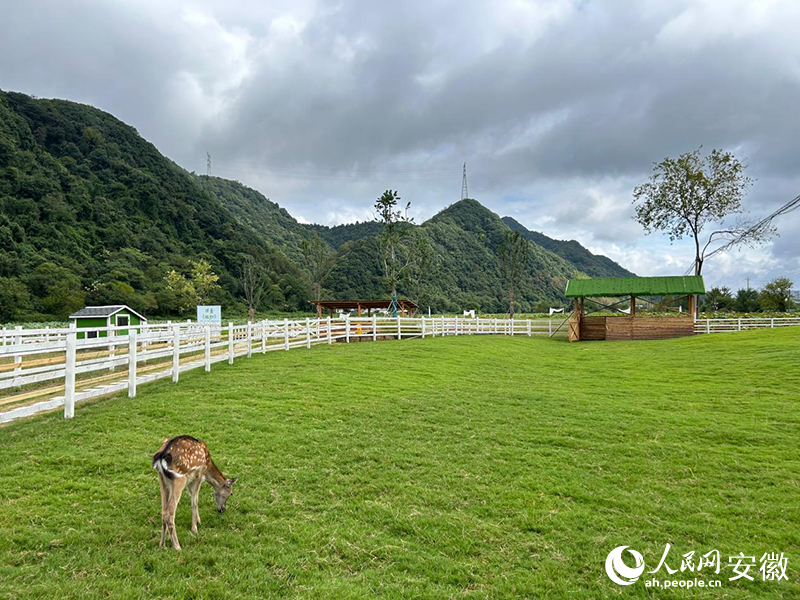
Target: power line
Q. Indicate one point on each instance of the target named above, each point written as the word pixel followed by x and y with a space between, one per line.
pixel 760 227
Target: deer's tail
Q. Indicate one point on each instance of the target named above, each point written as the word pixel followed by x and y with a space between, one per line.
pixel 162 461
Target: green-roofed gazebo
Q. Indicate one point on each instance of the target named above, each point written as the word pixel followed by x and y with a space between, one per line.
pixel 629 326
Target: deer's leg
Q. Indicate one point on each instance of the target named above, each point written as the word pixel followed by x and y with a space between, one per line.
pixel 177 489
pixel 164 500
pixel 194 490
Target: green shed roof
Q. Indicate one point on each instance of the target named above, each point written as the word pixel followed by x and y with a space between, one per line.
pixel 635 286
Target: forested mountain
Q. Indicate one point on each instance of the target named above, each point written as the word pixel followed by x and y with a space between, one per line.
pixel 91 213
pixel 594 265
pixel 339 235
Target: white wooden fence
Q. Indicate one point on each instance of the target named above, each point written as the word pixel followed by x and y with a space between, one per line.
pixel 44 369
pixel 743 324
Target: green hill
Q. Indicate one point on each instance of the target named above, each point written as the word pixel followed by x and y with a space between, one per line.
pixel 91 213
pixel 594 265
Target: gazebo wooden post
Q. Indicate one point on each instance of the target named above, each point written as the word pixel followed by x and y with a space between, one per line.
pixel 633 306
pixel 690 299
pixel 358 314
pixel 319 311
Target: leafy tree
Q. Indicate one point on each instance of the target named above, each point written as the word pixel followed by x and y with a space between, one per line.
pixel 393 238
pixel 58 289
pixel 319 260
pixel 719 298
pixel 15 300
pixel 746 301
pixel 776 295
pixel 204 280
pixel 183 290
pixel 687 193
pixel 513 258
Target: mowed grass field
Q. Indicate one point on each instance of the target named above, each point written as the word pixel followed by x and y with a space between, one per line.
pixel 456 467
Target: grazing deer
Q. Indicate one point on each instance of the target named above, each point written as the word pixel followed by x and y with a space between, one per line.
pixel 183 461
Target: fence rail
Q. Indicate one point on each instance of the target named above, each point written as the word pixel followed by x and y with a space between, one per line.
pixel 44 369
pixel 743 324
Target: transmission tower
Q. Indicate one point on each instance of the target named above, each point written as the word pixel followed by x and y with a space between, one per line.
pixel 208 163
pixel 464 192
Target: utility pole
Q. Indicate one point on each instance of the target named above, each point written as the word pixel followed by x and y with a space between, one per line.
pixel 464 192
pixel 748 284
pixel 208 163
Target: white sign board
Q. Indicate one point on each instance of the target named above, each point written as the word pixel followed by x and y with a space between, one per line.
pixel 209 315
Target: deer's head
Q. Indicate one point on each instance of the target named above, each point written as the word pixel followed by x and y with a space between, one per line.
pixel 222 493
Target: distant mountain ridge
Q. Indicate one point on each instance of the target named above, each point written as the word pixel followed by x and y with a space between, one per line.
pixel 594 265
pixel 91 213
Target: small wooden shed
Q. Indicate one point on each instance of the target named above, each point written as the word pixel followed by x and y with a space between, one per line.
pixel 406 308
pixel 93 317
pixel 629 326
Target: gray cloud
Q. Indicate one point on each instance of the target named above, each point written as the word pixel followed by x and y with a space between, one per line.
pixel 559 107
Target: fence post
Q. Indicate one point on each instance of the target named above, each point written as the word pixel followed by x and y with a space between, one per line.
pixel 772 323
pixel 511 327
pixel 374 328
pixel 550 327
pixel 455 326
pixel 131 363
pixel 529 328
pixel 496 330
pixel 347 328
pixel 17 341
pixel 708 325
pixel 230 343
pixel 207 347
pixel 69 372
pixel 308 332
pixel 423 328
pixel 264 336
pixel 330 334
pixel 249 339
pixel 443 327
pixel 286 334
pixel 176 352
pixel 740 323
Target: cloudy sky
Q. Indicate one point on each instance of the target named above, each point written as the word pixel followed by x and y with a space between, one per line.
pixel 559 108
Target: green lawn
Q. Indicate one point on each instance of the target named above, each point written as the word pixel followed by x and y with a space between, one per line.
pixel 485 467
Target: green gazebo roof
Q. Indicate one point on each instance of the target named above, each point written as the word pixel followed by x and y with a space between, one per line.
pixel 635 286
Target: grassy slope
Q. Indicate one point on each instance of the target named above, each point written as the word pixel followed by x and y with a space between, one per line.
pixel 491 466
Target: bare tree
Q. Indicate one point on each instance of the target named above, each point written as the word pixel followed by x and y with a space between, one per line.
pixel 513 258
pixel 685 194
pixel 254 283
pixel 319 260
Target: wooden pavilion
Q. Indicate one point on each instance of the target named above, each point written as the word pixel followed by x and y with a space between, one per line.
pixel 405 308
pixel 629 326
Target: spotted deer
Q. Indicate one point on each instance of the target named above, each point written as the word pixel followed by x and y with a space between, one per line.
pixel 185 461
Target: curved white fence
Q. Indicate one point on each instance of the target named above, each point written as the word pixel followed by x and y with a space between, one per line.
pixel 44 369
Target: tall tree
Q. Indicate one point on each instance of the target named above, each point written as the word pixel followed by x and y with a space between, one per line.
pixel 319 259
pixel 513 258
pixel 393 239
pixel 718 298
pixel 687 193
pixel 420 268
pixel 777 295
pixel 254 283
pixel 746 301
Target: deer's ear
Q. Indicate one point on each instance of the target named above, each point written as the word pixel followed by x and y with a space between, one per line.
pixel 230 482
